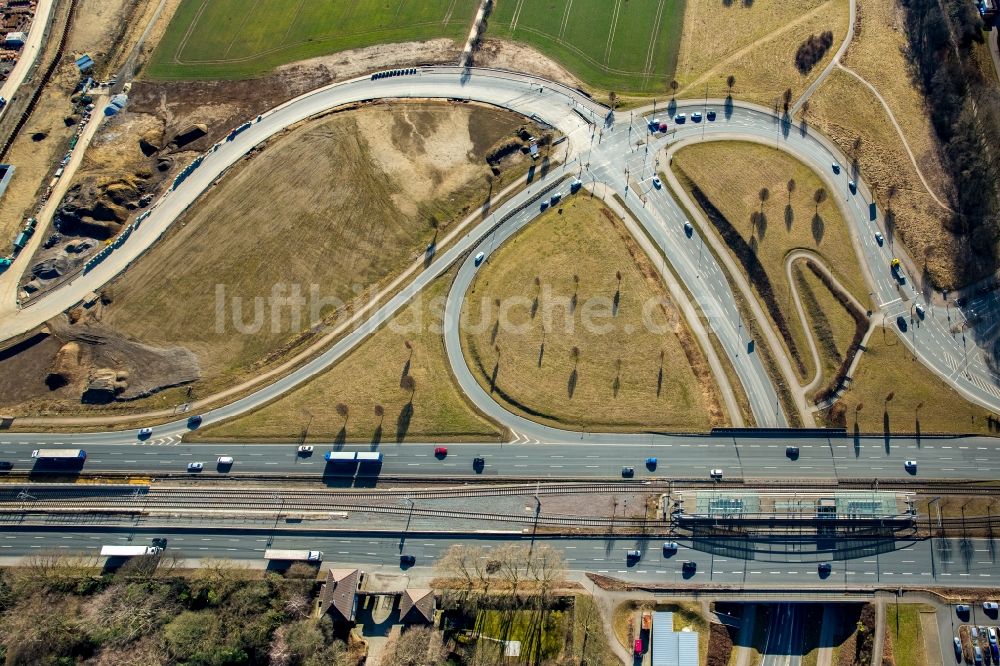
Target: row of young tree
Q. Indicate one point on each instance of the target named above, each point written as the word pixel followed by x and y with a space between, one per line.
pixel 964 110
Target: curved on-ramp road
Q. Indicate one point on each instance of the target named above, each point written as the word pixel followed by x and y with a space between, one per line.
pixel 617 152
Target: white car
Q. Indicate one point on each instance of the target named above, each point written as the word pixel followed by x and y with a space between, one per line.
pixel 920 310
pixel 879 238
pixel 305 448
pixel 669 547
pixel 657 183
pixel 716 474
pixel 225 460
pixel 688 228
pixel 195 466
pixel 911 465
pixel 145 432
pixel 480 257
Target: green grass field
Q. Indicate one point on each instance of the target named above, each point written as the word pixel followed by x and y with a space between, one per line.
pixel 620 45
pixel 233 39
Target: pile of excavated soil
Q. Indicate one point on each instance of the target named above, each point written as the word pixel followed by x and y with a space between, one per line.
pixel 86 362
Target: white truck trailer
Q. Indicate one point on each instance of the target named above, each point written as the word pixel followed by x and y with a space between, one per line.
pixel 280 555
pixel 128 551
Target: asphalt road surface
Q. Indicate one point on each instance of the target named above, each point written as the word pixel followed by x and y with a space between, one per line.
pixel 676 457
pixel 900 563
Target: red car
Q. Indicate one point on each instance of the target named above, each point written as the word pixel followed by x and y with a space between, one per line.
pixel 638 646
pixel 441 451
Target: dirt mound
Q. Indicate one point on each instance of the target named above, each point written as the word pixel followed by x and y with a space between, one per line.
pixel 104 385
pixel 65 367
pixel 51 268
pixel 117 368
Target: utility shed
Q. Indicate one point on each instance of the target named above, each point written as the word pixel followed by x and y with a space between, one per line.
pixel 672 648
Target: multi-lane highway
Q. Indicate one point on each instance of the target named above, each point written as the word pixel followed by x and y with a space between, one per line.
pixel 901 563
pixel 865 458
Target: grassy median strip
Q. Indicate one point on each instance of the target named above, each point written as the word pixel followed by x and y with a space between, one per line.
pixel 893 393
pixel 763 203
pixel 569 324
pixel 396 386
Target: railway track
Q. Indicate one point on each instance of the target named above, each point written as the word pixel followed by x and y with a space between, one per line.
pixel 147 500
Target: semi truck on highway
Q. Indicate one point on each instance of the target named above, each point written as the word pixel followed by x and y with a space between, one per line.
pixel 293 555
pixel 353 456
pixel 59 454
pixel 128 551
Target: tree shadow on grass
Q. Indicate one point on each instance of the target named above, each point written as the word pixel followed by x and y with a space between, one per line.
pixel 818 228
pixel 571 384
pixel 403 421
pixel 789 216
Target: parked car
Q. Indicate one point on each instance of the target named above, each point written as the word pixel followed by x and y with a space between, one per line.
pixel 305 449
pixel 195 466
pixel 440 451
pixel 638 646
pixel 977 656
pixel 990 606
pixel 628 472
pixel 963 610
pixel 958 649
pixel 479 258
